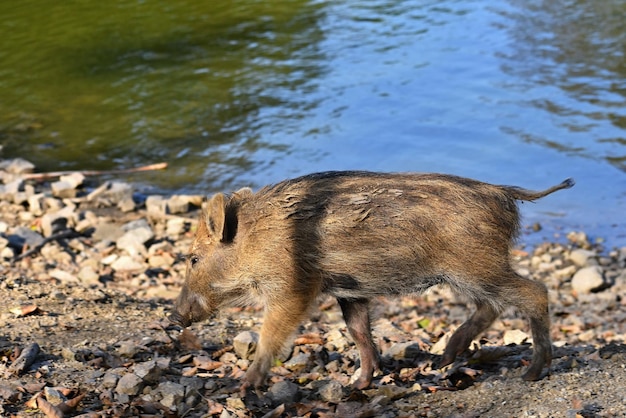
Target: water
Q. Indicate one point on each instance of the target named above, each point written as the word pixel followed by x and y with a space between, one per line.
pixel 241 93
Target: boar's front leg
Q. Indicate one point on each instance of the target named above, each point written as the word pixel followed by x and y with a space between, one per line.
pixel 356 314
pixel 281 319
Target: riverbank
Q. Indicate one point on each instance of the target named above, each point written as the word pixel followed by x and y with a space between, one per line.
pixel 89 270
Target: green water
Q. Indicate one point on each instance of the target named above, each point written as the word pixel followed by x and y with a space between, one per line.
pixel 90 84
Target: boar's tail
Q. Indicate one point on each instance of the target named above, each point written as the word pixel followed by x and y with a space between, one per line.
pixel 530 195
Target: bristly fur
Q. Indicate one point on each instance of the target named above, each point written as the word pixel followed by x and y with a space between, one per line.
pixel 357 235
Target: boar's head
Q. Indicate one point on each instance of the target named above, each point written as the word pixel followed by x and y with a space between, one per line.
pixel 209 281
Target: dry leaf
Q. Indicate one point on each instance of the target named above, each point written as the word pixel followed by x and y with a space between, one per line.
pixel 189 341
pixel 26 310
pixel 215 408
pixel 276 412
pixel 32 402
pixel 221 352
pixel 206 363
pixel 48 409
pixel 71 404
pixel 311 338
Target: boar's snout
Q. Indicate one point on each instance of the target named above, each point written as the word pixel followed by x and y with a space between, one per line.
pixel 178 319
pixel 189 308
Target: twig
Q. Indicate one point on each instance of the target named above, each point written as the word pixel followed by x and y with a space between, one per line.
pixel 69 233
pixel 51 174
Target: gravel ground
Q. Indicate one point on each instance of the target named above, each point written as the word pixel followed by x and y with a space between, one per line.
pixel 88 273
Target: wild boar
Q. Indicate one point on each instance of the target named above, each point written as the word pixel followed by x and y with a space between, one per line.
pixel 358 235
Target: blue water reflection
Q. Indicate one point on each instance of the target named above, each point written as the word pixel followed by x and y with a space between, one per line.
pixel 238 93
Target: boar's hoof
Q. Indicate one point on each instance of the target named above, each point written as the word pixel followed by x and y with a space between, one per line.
pixel 533 373
pixel 178 319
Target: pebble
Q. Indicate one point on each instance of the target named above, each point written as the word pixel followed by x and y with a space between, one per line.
pixel 587 280
pixel 298 362
pixel 171 394
pixel 403 350
pixel 245 344
pixel 126 263
pixel 284 391
pixel 129 384
pixel 149 371
pixel 331 392
pixel 88 276
pixel 580 256
pixel 514 336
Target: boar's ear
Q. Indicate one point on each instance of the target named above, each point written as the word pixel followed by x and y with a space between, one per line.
pixel 221 218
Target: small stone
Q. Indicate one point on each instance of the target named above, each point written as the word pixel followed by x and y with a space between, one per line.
pixel 331 392
pixel 177 204
pixel 128 349
pixel 127 205
pixel 107 231
pixel 284 392
pixel 35 204
pixel 191 383
pixel 175 226
pixel 156 206
pixel 149 371
pixel 588 279
pixel 63 189
pixel 75 179
pixel 63 276
pixel 298 362
pixel 161 261
pixel 7 253
pixel 133 241
pixel 53 222
pixel 109 259
pixel 580 257
pixel 88 276
pixel 515 336
pixel 19 166
pixel 129 384
pixel 235 403
pixel 23 236
pixel 9 190
pixel 405 350
pixel 127 263
pixel 53 396
pixel 110 380
pixel 245 344
pixel 172 394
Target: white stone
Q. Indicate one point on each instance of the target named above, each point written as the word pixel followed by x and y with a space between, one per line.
pixel 587 280
pixel 581 257
pixel 515 336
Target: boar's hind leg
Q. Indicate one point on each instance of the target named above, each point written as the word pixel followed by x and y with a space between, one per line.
pixel 531 298
pixel 461 339
pixel 356 314
pixel 279 323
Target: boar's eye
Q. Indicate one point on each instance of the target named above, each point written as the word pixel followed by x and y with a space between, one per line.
pixel 193 259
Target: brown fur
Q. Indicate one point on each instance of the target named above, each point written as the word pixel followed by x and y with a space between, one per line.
pixel 357 235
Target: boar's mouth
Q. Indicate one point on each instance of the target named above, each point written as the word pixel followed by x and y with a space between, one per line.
pixel 177 319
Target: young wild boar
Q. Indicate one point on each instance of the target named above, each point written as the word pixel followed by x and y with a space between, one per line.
pixel 358 235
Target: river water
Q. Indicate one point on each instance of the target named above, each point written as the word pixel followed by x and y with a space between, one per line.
pixel 242 93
